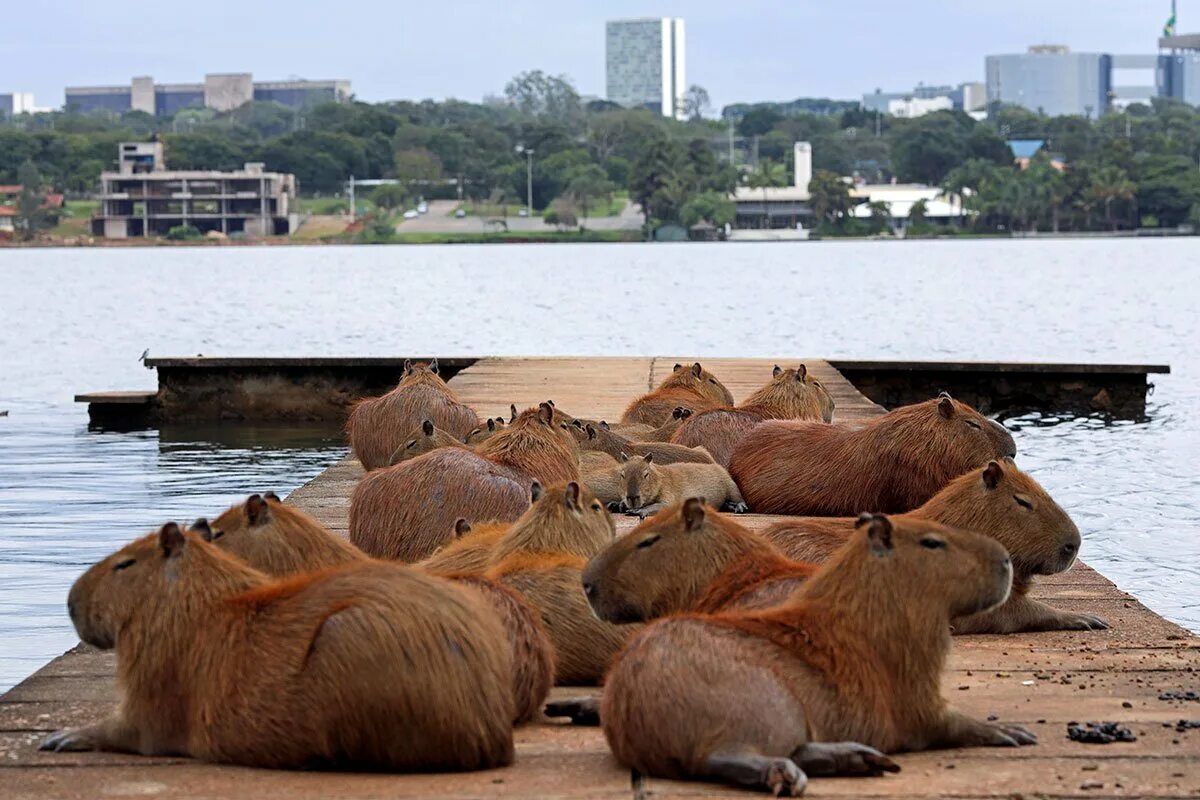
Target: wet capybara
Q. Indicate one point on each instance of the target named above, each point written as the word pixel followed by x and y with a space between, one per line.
pixel 650 487
pixel 848 669
pixel 562 519
pixel 425 438
pixel 688 386
pixel 791 394
pixel 193 628
pixel 407 511
pixel 593 439
pixel 551 583
pixel 894 463
pixel 688 558
pixel 377 426
pixel 489 428
pixel 999 501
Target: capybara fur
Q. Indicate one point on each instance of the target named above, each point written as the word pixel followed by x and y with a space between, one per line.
pixel 489 428
pixel 593 460
pixel 469 551
pixel 367 665
pixel 426 437
pixel 377 426
pixel 791 394
pixel 562 519
pixel 688 386
pixel 407 511
pixel 552 583
pixel 848 669
pixel 999 501
pixel 639 432
pixel 892 464
pixel 688 558
pixel 651 487
pixel 593 439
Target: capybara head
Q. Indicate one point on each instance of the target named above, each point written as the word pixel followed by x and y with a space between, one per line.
pixel 664 564
pixel 961 432
pixel 485 431
pixel 562 519
pixel 1007 504
pixel 917 561
pixel 419 369
pixel 793 394
pixel 420 441
pixel 697 378
pixel 641 480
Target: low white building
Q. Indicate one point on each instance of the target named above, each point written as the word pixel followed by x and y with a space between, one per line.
pixel 901 197
pixel 912 107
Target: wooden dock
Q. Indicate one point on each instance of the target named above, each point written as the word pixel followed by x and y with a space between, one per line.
pixel 1041 680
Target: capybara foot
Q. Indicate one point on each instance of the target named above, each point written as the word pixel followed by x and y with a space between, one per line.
pixel 784 779
pixel 1081 622
pixel 70 740
pixel 997 735
pixel 780 776
pixel 580 710
pixel 735 508
pixel 616 507
pixel 843 758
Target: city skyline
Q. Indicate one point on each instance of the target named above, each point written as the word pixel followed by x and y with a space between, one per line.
pixel 415 53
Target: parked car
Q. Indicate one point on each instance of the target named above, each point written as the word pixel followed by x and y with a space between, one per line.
pixel 524 212
pixel 411 214
pixel 422 207
pixel 460 213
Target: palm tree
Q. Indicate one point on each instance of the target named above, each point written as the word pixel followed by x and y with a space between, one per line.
pixel 1109 184
pixel 768 174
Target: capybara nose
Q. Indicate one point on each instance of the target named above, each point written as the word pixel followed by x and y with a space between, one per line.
pixel 1004 566
pixel 633 501
pixel 1069 550
pixel 589 590
pixel 71 608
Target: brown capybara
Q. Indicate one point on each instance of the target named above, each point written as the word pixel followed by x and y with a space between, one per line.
pixel 892 464
pixel 639 432
pixel 425 438
pixel 791 394
pixel 489 428
pixel 999 501
pixel 850 668
pixel 593 439
pixel 552 583
pixel 276 538
pixel 650 487
pixel 688 386
pixel 377 426
pixel 688 558
pixel 594 460
pixel 407 511
pixel 562 519
pixel 193 628
pixel 469 551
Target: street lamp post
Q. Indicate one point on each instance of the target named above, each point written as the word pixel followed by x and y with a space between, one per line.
pixel 528 177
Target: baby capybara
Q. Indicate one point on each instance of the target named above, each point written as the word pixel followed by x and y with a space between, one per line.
pixel 850 668
pixel 377 426
pixel 791 394
pixel 892 464
pixel 217 661
pixel 407 511
pixel 688 386
pixel 425 438
pixel 999 501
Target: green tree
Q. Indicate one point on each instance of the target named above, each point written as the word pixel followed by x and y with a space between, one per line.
pixel 1110 184
pixel 881 216
pixel 417 167
pixel 918 214
pixel 537 94
pixel 588 184
pixel 927 148
pixel 696 102
pixel 758 121
pixel 829 197
pixel 765 176
pixel 654 181
pixel 715 208
pixel 31 215
pixel 390 196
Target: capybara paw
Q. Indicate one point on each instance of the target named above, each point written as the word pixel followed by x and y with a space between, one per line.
pixel 737 508
pixel 580 710
pixel 616 507
pixel 640 513
pixel 843 758
pixel 996 735
pixel 1082 622
pixel 68 741
pixel 784 779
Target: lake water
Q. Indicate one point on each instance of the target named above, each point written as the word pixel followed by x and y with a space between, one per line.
pixel 75 320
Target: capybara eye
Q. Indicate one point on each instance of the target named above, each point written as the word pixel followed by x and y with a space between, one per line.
pixel 129 562
pixel 216 535
pixel 932 543
pixel 974 425
pixel 648 541
pixel 412 444
pixel 1021 501
pixel 597 507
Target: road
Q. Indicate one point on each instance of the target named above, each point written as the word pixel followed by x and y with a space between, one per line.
pixel 440 219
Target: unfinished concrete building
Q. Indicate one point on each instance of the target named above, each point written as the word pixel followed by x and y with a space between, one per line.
pixel 144 198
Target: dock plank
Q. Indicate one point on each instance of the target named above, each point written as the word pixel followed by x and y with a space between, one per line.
pixel 1043 680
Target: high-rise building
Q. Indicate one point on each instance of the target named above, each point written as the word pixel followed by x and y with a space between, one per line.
pixel 220 92
pixel 645 64
pixel 1052 80
pixel 1179 69
pixel 12 104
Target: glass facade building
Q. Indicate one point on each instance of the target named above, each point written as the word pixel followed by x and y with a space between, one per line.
pixel 645 61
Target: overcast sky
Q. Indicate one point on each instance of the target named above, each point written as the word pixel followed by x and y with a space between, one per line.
pixel 740 50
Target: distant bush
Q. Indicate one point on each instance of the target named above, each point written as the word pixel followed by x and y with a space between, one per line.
pixel 184 233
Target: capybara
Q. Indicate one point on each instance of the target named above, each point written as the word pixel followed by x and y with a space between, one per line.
pixel 562 519
pixel 408 511
pixel 688 558
pixel 688 386
pixel 848 669
pixel 420 441
pixel 490 427
pixel 651 487
pixel 377 426
pixel 551 583
pixel 999 501
pixel 218 661
pixel 791 394
pixel 892 464
pixel 469 551
pixel 639 432
pixel 592 439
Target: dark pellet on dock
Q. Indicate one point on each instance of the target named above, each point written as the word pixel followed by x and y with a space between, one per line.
pixel 1099 732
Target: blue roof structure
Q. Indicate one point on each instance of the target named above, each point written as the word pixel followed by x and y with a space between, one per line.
pixel 1025 148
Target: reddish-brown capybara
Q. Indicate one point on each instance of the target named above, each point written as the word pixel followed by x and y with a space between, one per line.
pixel 564 519
pixel 470 550
pixel 640 432
pixel 999 501
pixel 892 464
pixel 193 627
pixel 688 386
pixel 791 394
pixel 850 668
pixel 489 428
pixel 593 439
pixel 407 511
pixel 425 438
pixel 377 426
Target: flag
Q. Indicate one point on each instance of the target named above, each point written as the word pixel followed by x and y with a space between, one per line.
pixel 1169 28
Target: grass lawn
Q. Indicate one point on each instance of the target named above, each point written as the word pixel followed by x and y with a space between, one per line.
pixel 329 205
pixel 599 209
pixel 548 235
pixel 78 219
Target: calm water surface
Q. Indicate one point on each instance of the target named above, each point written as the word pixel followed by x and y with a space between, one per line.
pixel 77 320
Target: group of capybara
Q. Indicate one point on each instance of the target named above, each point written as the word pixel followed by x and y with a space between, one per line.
pixel 483 567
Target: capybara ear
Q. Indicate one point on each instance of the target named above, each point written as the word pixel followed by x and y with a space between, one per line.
pixel 693 514
pixel 407 366
pixel 461 527
pixel 677 367
pixel 697 369
pixel 257 511
pixel 863 519
pixel 535 492
pixel 604 424
pixel 687 412
pixel 201 527
pixel 776 370
pixel 491 425
pixel 801 372
pixel 624 456
pixel 571 497
pixel 879 534
pixel 171 540
pixel 427 427
pixel 545 413
pixel 577 423
pixel 945 406
pixel 992 474
pixel 591 432
pixel 433 367
pixel 648 458
pixel 512 410
pixel 271 496
pixel 550 403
